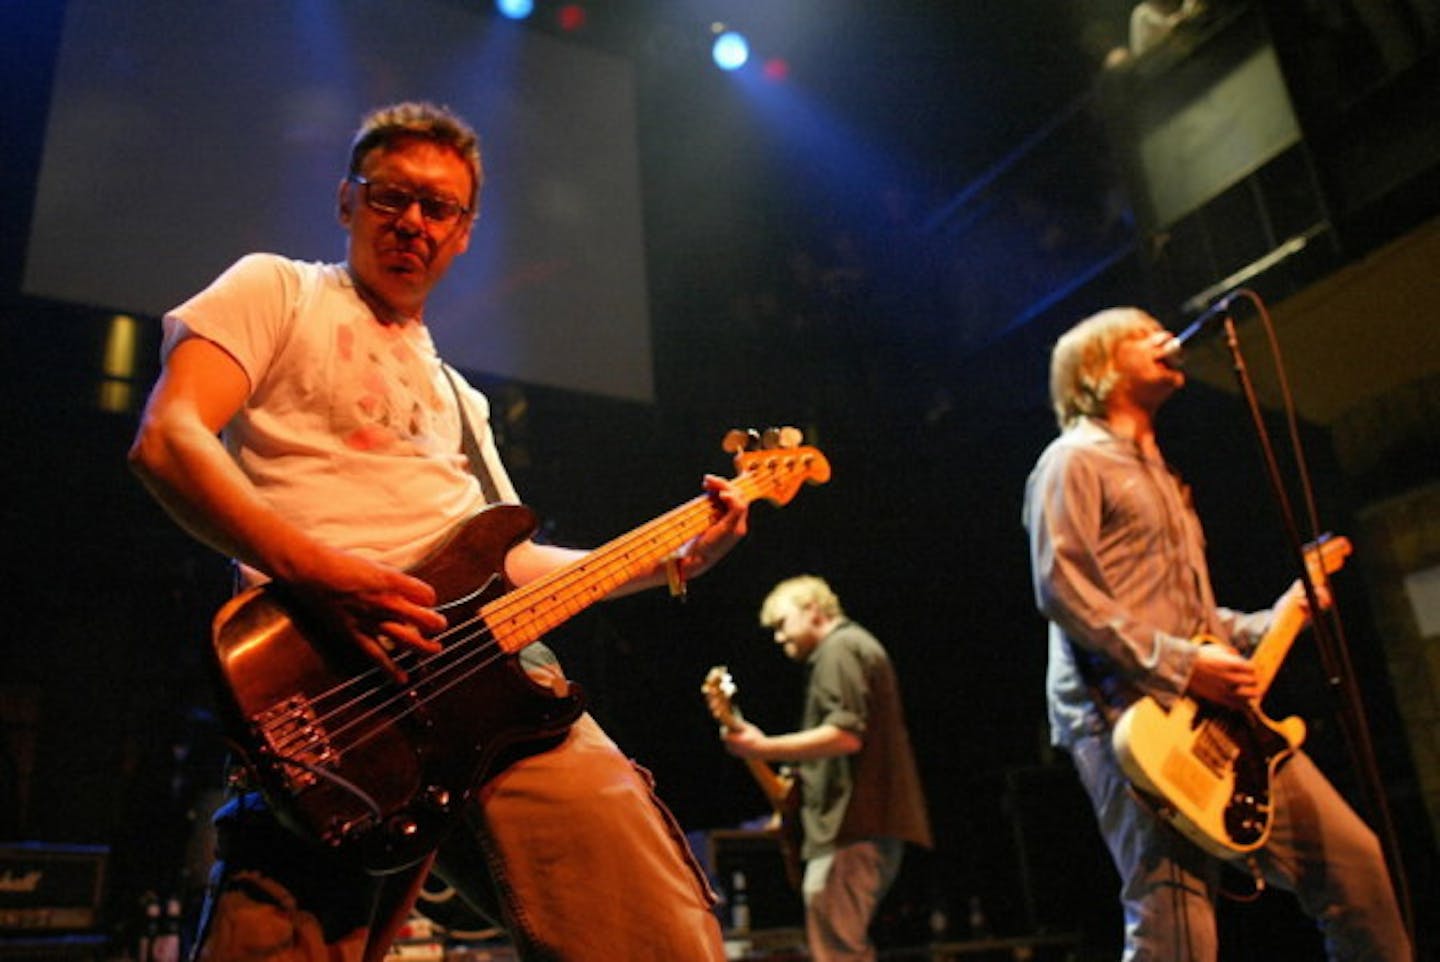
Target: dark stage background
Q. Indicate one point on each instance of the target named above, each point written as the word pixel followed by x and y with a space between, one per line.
pixel 871 279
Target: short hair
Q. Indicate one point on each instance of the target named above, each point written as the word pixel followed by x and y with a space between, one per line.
pixel 1082 371
pixel 801 590
pixel 386 127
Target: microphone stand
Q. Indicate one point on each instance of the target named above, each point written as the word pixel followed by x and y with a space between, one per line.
pixel 1334 656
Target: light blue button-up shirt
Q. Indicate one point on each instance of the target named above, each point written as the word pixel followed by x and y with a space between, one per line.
pixel 1118 564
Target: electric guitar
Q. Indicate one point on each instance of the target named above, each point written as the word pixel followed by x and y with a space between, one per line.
pixel 350 757
pixel 1209 768
pixel 780 788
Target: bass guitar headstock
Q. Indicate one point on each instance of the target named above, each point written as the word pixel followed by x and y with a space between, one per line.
pixel 773 464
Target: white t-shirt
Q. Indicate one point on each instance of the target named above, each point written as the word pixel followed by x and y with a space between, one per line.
pixel 351 430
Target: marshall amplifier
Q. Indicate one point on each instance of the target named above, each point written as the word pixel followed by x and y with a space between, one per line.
pixel 55 947
pixel 48 887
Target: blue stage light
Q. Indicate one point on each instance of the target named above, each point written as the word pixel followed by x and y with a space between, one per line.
pixel 515 9
pixel 730 51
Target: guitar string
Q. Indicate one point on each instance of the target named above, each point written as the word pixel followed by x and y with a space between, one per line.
pixel 777 467
pixel 458 651
pixel 685 520
pixel 1219 737
pixel 503 609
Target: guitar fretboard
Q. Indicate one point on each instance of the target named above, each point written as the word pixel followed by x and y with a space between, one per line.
pixel 526 614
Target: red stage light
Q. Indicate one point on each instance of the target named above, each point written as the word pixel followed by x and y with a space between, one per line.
pixel 570 17
pixel 777 69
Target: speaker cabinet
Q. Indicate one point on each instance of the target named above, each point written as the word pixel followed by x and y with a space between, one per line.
pixel 50 887
pixel 1069 882
pixel 773 903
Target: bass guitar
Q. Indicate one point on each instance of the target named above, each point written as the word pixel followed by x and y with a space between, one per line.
pixel 780 788
pixel 350 757
pixel 1209 769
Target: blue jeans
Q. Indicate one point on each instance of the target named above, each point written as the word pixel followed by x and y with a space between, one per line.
pixel 1318 848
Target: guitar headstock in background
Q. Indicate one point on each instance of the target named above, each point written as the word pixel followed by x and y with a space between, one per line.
pixel 781 789
pixel 719 691
pixel 1325 556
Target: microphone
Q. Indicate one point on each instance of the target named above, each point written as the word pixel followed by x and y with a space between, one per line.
pixel 1173 354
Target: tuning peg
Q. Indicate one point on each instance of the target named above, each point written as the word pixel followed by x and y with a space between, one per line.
pixel 776 438
pixel 737 440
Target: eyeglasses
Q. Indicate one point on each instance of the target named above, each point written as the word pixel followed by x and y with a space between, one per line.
pixel 392 200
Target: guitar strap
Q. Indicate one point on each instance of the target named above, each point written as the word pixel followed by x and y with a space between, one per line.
pixel 470 446
pixel 536 654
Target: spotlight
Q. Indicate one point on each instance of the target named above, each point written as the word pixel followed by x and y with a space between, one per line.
pixel 515 9
pixel 730 50
pixel 570 17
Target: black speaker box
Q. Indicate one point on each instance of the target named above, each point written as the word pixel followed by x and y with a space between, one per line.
pixel 773 903
pixel 1069 882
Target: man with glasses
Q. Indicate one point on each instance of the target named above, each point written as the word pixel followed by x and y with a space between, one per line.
pixel 340 462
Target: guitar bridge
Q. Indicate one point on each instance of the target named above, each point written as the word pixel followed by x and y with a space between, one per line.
pixel 296 739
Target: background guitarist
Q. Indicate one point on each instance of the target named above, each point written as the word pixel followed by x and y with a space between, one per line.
pixel 1119 570
pixel 341 465
pixel 861 798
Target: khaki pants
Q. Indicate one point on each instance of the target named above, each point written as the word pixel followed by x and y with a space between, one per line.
pixel 569 849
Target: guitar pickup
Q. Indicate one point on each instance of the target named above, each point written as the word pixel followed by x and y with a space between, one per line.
pixel 296 739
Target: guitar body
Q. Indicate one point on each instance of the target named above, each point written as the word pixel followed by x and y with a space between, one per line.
pixel 790 832
pixel 350 757
pixel 1209 769
pixel 358 761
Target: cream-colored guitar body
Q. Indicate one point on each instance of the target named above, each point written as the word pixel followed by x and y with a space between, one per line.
pixel 1207 769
